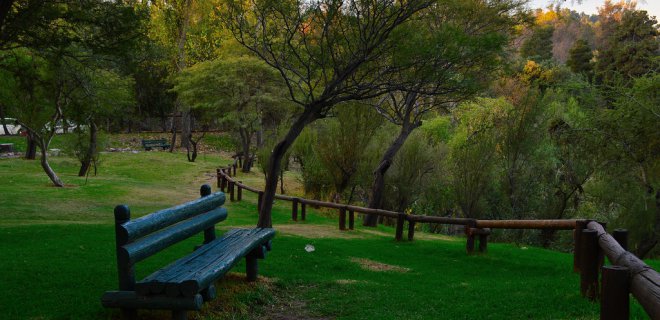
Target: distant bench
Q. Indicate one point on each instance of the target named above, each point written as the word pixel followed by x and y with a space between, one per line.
pixel 156 143
pixel 189 281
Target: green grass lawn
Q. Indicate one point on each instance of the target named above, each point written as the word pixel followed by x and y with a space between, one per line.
pixel 58 255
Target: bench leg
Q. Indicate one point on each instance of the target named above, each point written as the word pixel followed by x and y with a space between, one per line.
pixel 209 293
pixel 179 314
pixel 251 266
pixel 128 314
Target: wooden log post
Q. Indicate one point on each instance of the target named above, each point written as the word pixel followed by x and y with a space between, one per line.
pixel 218 177
pixel 251 265
pixel 294 209
pixel 411 229
pixel 223 185
pixel 483 240
pixel 589 264
pixel 469 243
pixel 125 269
pixel 621 236
pixel 209 234
pixel 209 293
pixel 351 219
pixel 260 200
pixel 644 283
pixel 400 220
pixel 231 191
pixel 342 218
pixel 240 161
pixel 303 211
pixel 239 193
pixel 615 293
pixel 233 166
pixel 577 237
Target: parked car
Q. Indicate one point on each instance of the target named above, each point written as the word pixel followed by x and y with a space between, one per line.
pixel 12 127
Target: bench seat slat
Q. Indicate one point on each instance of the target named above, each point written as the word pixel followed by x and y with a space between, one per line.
pixel 189 275
pixel 170 272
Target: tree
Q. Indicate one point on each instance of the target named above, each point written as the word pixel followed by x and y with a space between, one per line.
pixel 538 46
pixel 457 45
pixel 342 144
pixel 630 133
pixel 47 67
pixel 101 95
pixel 326 52
pixel 579 59
pixel 632 51
pixel 472 154
pixel 37 93
pixel 238 89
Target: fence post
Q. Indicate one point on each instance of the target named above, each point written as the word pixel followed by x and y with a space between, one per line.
pixel 351 219
pixel 240 161
pixel 303 211
pixel 239 194
pixel 400 219
pixel 294 209
pixel 483 240
pixel 614 297
pixel 469 243
pixel 260 199
pixel 223 186
pixel 621 236
pixel 234 167
pixel 231 191
pixel 218 176
pixel 577 238
pixel 589 260
pixel 342 218
pixel 411 229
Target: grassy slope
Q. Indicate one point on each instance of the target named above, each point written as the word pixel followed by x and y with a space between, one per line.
pixel 56 270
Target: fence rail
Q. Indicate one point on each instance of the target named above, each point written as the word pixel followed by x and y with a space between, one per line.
pixel 631 274
pixel 627 275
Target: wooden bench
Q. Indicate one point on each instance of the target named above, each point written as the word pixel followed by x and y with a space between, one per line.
pixel 189 281
pixel 157 143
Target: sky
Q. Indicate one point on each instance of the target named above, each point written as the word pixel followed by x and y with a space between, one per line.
pixel 589 6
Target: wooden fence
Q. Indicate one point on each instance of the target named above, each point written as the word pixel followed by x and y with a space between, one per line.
pixel 627 274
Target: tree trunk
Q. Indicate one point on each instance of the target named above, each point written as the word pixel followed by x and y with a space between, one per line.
pixel 186 127
pixel 43 145
pixel 31 149
pixel 246 140
pixel 186 116
pixel 193 144
pixel 91 150
pixel 275 162
pixel 378 185
pixel 173 141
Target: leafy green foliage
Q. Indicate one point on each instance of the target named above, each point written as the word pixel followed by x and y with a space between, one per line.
pixel 633 49
pixel 579 59
pixel 538 46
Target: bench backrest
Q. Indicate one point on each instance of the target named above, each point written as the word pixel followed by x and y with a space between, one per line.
pixel 143 237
